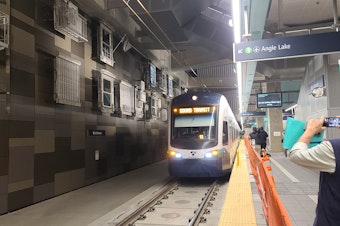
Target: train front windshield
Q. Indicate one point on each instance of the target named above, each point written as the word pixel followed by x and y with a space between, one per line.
pixel 194 131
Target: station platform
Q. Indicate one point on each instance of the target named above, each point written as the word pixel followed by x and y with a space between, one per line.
pixel 297 188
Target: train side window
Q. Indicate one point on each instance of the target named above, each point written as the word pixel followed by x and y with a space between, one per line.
pixel 225 133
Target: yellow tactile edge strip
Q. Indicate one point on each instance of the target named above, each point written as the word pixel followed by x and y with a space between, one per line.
pixel 238 208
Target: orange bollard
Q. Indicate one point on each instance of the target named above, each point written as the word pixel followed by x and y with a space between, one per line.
pixel 265 158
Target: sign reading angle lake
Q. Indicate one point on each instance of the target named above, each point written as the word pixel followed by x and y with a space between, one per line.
pixel 295 46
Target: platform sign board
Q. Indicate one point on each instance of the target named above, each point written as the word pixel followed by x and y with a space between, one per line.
pixel 96 132
pixel 296 46
pixel 253 113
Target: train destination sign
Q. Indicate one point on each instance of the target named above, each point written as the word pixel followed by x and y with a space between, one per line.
pixel 275 48
pixel 193 110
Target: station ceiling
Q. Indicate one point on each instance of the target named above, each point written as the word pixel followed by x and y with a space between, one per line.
pixel 197 35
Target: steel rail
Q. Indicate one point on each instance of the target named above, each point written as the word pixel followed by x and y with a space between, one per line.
pixel 198 216
pixel 138 214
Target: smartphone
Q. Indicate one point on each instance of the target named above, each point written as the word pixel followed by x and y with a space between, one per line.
pixel 332 122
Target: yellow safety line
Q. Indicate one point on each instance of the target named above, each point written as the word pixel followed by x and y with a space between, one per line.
pixel 238 208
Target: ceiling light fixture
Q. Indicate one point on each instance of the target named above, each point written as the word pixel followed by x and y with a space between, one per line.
pixel 237 38
pixel 230 23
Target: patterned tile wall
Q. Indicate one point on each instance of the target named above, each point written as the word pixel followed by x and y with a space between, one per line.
pixel 45 148
pixel 4 123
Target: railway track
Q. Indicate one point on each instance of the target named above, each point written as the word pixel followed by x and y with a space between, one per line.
pixel 181 202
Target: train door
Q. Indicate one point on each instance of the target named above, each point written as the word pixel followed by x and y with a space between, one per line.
pixel 226 159
pixel 225 136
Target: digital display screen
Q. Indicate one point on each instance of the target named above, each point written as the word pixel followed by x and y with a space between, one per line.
pixel 268 100
pixel 332 122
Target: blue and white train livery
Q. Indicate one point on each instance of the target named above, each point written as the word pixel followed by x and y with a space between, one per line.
pixel 202 129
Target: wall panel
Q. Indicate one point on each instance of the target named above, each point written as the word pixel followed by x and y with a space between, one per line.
pixel 45 147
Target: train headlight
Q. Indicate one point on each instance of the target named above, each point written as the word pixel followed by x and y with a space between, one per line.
pixel 178 155
pixel 211 154
pixel 173 154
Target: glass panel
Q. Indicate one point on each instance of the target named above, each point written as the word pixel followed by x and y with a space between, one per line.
pixel 194 131
pixel 194 120
pixel 106 51
pixel 106 36
pixel 107 99
pixel 107 86
pixel 106 54
pixel 170 88
pixel 153 74
pixel 126 98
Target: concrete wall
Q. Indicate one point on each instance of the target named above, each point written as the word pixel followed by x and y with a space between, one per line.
pixel 328 105
pixel 308 106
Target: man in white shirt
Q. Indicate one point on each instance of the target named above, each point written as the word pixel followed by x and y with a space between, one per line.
pixel 323 157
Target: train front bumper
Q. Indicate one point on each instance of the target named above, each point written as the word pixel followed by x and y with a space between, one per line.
pixel 196 168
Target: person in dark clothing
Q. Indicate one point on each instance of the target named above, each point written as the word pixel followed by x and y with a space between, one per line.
pixel 262 139
pixel 253 134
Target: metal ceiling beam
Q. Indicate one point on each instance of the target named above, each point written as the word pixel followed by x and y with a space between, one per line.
pixel 257 11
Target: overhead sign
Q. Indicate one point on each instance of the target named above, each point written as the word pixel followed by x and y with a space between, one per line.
pixel 275 48
pixel 253 113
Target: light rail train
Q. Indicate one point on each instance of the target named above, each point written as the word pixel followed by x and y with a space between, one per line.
pixel 202 129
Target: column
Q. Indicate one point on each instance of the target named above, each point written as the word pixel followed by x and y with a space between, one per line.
pixel 275 125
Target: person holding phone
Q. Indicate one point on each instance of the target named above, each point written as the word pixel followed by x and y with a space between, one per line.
pixel 323 157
